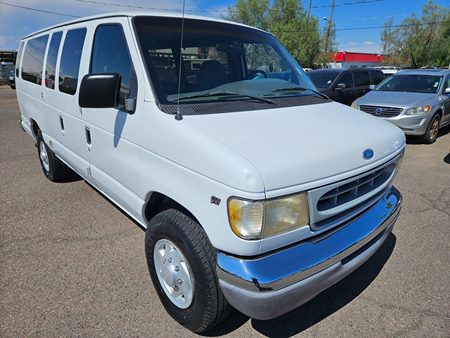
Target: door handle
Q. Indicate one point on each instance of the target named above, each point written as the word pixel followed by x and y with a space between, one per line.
pixel 61 123
pixel 88 136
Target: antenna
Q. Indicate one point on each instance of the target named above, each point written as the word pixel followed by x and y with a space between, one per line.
pixel 178 115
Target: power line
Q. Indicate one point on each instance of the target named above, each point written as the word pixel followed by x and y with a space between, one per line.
pixel 39 10
pixel 290 31
pixel 350 3
pixel 372 27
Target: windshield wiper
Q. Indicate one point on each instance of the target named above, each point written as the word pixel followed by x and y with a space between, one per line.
pixel 224 93
pixel 289 89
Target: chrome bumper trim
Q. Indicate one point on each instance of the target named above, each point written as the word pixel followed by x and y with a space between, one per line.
pixel 295 263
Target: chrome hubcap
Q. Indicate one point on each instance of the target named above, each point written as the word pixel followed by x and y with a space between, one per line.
pixel 44 156
pixel 434 129
pixel 174 273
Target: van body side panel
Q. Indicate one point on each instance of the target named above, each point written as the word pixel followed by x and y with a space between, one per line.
pixel 115 133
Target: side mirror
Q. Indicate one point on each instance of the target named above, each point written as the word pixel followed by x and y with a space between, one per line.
pixel 447 90
pixel 340 86
pixel 100 90
pixel 372 87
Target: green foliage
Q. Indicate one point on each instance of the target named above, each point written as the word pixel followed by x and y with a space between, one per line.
pixel 419 42
pixel 288 21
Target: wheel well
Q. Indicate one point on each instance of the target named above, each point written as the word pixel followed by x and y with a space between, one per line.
pixel 34 127
pixel 159 202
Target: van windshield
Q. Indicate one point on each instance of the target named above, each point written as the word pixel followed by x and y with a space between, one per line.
pixel 220 62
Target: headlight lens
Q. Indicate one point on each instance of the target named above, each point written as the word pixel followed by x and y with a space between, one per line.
pixel 418 110
pixel 261 219
pixel 354 105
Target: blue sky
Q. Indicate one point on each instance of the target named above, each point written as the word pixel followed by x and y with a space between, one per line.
pixel 16 22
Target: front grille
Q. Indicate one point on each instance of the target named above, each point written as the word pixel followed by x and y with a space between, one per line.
pixel 381 111
pixel 350 191
pixel 336 203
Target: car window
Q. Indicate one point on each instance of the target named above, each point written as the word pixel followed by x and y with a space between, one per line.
pixel 322 79
pixel 19 57
pixel 52 55
pixel 362 78
pixel 446 83
pixel 411 83
pixel 33 59
pixel 376 77
pixel 346 79
pixel 110 55
pixel 70 60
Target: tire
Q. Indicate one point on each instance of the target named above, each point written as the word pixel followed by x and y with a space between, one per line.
pixel 207 306
pixel 432 130
pixel 52 167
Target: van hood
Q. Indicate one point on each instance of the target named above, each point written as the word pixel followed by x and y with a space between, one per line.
pixel 395 99
pixel 296 145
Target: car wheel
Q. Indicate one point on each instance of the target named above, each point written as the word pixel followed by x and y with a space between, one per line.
pixel 432 130
pixel 181 262
pixel 54 169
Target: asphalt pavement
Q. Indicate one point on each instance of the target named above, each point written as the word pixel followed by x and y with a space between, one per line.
pixel 72 264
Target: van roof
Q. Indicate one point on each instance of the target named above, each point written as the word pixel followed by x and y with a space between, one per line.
pixel 154 13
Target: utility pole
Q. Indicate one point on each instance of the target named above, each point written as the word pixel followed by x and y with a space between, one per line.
pixel 327 36
pixel 309 8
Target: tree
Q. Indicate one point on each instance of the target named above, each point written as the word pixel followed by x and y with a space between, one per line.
pixel 290 24
pixel 250 12
pixel 419 42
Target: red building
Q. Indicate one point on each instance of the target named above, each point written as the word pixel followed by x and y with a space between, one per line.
pixel 353 59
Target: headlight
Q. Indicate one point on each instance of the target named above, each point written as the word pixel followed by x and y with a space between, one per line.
pixel 418 110
pixel 261 219
pixel 354 105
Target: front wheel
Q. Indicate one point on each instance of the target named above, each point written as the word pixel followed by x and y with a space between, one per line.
pixel 431 134
pixel 181 262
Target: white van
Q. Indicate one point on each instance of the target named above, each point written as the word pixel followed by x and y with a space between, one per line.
pixel 256 190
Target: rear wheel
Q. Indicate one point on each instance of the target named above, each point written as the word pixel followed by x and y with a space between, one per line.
pixel 431 134
pixel 52 167
pixel 181 262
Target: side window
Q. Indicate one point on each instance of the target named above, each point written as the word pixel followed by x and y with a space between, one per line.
pixel 110 55
pixel 70 60
pixel 347 79
pixel 19 57
pixel 52 54
pixel 377 77
pixel 362 78
pixel 446 83
pixel 33 59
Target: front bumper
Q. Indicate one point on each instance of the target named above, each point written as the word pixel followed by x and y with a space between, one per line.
pixel 411 124
pixel 269 286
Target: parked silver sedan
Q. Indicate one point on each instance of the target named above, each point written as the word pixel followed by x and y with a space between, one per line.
pixel 417 101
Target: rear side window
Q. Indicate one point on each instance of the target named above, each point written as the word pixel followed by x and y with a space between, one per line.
pixel 361 78
pixel 52 55
pixel 110 55
pixel 33 59
pixel 70 60
pixel 347 79
pixel 19 57
pixel 377 77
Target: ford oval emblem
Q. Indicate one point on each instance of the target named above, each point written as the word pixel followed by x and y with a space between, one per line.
pixel 368 154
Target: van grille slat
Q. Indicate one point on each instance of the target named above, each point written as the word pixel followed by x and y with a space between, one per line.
pixel 350 191
pixel 381 111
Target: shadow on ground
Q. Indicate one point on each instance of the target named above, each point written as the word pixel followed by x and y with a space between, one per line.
pixel 319 308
